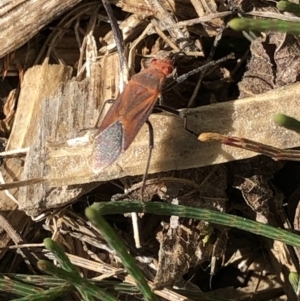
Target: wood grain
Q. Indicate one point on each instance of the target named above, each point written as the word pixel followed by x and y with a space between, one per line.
pixel 72 108
pixel 177 149
pixel 20 20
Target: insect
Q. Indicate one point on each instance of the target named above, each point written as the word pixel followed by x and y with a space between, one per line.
pixel 128 113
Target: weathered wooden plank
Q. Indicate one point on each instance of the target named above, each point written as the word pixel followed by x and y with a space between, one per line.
pixel 177 149
pixel 39 82
pixel 52 109
pixel 22 19
pixel 73 109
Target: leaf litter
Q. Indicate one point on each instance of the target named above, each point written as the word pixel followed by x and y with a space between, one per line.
pixel 176 253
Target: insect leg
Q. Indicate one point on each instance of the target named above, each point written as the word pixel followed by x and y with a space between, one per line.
pixel 181 114
pixel 151 144
pixel 102 109
pixel 117 36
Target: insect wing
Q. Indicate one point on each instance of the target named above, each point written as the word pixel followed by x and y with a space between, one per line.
pixel 108 147
pixel 137 113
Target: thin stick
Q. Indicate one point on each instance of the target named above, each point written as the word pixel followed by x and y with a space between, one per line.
pixel 17 184
pixel 267 150
pixel 135 228
pixel 164 37
pixel 19 151
pixel 17 239
pixel 133 46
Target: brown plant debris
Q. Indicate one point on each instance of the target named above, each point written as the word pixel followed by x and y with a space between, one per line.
pixel 60 64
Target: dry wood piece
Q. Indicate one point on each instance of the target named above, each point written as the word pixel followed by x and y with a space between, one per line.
pixel 175 148
pixel 46 80
pixel 40 82
pixel 21 20
pixel 61 116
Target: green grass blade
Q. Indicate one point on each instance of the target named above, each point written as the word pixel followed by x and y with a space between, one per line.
pixel 47 295
pixel 248 24
pixel 17 287
pixel 89 288
pixel 286 6
pixel 200 214
pixel 116 243
pixel 60 255
pixel 65 263
pixel 287 122
pixel 43 281
pixel 294 280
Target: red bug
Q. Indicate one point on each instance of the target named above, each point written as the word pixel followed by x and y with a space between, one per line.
pixel 128 113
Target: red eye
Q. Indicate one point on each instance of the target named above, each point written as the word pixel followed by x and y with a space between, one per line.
pixel 166 70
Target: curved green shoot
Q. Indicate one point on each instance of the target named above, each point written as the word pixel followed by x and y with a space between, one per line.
pixel 286 6
pixel 197 213
pixel 116 243
pixel 248 24
pixel 287 122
